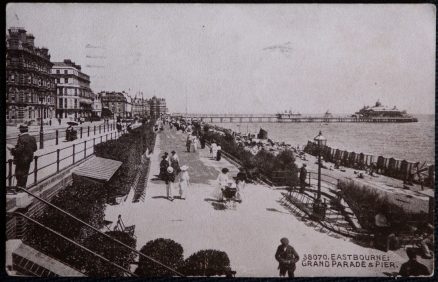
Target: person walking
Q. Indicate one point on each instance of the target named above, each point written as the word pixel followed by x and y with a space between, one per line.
pixel 287 257
pixel 23 155
pixel 184 182
pixel 303 176
pixel 164 164
pixel 219 152
pixel 174 162
pixel 202 140
pixel 241 180
pixel 170 179
pixel 195 143
pixel 213 149
pixel 222 182
pixel 188 142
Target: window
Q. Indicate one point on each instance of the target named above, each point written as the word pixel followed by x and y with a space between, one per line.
pixel 65 103
pixel 65 71
pixel 30 113
pixel 58 80
pixel 12 78
pixel 66 80
pixel 76 104
pixel 60 103
pixel 57 71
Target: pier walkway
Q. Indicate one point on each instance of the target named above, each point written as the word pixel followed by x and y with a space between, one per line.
pixel 249 232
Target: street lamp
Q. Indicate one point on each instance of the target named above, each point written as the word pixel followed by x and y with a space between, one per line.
pixel 41 124
pixel 318 206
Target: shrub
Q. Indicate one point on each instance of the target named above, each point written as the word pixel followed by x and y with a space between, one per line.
pixel 366 202
pixel 128 149
pixel 165 251
pixel 264 161
pixel 207 263
pixel 110 250
pixel 82 200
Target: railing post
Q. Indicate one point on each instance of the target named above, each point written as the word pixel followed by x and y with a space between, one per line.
pixel 57 159
pixel 74 153
pixel 35 169
pixel 88 135
pixel 85 149
pixel 10 172
pixel 81 131
pixel 57 136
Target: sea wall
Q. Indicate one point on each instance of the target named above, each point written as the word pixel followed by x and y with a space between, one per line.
pixel 388 166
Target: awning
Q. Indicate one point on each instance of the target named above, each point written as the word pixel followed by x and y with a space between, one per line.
pixel 98 168
pixel 34 261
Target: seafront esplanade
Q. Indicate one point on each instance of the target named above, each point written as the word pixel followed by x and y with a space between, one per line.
pixel 200 140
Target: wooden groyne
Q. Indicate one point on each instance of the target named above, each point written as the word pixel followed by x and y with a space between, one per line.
pixel 409 171
pixel 275 118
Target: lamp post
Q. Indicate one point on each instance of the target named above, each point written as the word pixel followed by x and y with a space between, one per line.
pixel 318 206
pixel 41 124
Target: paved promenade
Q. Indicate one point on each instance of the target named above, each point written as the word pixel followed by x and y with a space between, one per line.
pixel 249 233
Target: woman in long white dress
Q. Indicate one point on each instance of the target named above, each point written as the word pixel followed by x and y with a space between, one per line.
pixel 195 143
pixel 184 182
pixel 213 150
pixel 222 182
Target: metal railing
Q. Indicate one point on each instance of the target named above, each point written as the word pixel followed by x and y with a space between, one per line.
pixel 58 134
pixel 51 163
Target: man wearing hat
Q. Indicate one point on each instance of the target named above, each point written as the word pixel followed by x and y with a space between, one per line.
pixel 412 267
pixel 23 155
pixel 286 257
pixel 170 179
pixel 303 175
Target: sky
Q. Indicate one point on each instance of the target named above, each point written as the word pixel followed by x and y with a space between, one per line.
pixel 247 58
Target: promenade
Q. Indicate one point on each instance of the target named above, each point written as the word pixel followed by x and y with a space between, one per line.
pixel 249 232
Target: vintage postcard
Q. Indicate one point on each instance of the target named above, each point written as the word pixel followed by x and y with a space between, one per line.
pixel 234 140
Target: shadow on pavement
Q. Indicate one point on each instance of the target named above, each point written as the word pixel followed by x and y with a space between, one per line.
pixel 275 210
pixel 219 206
pixel 159 197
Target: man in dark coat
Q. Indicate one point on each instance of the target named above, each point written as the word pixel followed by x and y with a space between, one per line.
pixel 23 155
pixel 286 257
pixel 188 143
pixel 412 267
pixel 202 139
pixel 303 175
pixel 164 164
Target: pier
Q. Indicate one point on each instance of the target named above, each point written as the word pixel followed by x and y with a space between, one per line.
pixel 284 118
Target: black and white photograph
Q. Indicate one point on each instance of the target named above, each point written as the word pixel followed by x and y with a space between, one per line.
pixel 219 140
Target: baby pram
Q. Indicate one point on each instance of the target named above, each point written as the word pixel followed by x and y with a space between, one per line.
pixel 230 193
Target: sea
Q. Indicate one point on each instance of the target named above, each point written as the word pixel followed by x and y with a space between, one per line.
pixel 409 141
